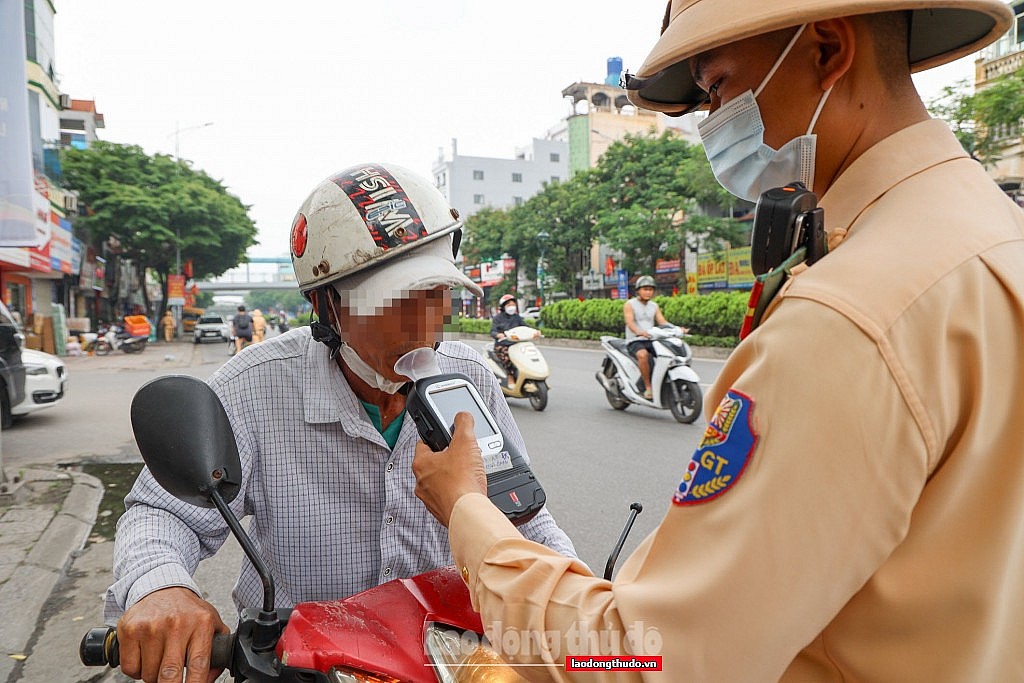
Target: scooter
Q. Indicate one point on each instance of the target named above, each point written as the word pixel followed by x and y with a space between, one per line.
pixel 420 630
pixel 530 372
pixel 115 337
pixel 674 384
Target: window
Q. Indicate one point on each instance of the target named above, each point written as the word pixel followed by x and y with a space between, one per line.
pixel 478 199
pixel 554 157
pixel 555 179
pixel 478 175
pixel 517 201
pixel 517 177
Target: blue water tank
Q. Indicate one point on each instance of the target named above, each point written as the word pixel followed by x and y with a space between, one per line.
pixel 614 71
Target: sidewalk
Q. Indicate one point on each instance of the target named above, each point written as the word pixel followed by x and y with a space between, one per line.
pixel 45 519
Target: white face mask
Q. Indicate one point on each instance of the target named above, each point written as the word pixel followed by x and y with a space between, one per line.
pixel 510 310
pixel 733 140
pixel 361 368
pixel 365 372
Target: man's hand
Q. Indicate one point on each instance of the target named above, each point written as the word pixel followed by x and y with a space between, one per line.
pixel 501 335
pixel 444 477
pixel 167 631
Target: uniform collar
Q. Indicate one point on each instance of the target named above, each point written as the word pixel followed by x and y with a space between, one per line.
pixel 891 161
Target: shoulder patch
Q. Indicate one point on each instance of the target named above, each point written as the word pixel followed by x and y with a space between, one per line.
pixel 723 454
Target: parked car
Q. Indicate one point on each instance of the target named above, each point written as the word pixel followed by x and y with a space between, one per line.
pixel 12 369
pixel 45 381
pixel 531 313
pixel 213 327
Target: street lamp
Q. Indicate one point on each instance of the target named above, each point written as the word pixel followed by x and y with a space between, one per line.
pixel 177 135
pixel 542 238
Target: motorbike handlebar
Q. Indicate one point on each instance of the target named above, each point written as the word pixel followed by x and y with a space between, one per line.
pixel 100 648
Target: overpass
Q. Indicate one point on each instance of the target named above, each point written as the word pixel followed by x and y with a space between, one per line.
pixel 257 273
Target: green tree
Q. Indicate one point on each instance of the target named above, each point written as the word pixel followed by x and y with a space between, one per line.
pixel 157 207
pixel 275 299
pixel 983 121
pixel 654 195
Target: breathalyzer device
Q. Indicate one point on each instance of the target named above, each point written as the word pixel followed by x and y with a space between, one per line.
pixel 434 399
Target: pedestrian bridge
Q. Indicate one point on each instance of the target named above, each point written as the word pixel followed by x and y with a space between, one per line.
pixel 257 273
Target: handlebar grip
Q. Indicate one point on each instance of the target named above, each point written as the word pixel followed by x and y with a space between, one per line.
pixel 100 648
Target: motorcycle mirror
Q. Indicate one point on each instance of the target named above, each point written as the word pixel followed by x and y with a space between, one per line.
pixel 186 440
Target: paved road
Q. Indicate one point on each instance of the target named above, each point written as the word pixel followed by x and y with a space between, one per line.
pixel 592 460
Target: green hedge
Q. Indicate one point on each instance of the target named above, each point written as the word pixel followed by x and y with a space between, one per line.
pixel 713 319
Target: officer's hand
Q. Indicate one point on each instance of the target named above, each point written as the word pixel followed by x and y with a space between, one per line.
pixel 167 631
pixel 442 478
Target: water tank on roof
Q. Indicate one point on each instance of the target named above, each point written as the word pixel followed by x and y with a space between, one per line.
pixel 614 71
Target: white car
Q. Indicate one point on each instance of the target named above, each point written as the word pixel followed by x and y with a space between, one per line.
pixel 211 327
pixel 45 381
pixel 531 313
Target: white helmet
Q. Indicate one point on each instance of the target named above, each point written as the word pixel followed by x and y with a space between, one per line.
pixel 363 217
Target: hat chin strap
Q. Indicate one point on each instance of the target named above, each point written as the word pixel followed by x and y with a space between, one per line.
pixel 325 334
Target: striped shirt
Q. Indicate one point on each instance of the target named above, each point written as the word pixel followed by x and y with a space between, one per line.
pixel 332 507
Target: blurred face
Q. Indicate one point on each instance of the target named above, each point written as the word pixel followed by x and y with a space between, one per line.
pixel 407 324
pixel 645 293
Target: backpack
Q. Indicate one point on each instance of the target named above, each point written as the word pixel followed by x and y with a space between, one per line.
pixel 243 323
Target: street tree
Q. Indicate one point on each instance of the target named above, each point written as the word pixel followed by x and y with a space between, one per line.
pixel 653 196
pixel 987 120
pixel 159 209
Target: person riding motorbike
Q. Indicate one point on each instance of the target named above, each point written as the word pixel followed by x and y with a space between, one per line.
pixel 506 318
pixel 319 419
pixel 854 510
pixel 641 314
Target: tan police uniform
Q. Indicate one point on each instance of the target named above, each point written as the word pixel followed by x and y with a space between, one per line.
pixel 856 510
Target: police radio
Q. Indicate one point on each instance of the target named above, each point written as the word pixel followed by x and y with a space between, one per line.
pixel 433 401
pixel 789 229
pixel 786 218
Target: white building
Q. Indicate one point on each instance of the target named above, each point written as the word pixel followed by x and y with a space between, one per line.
pixel 470 183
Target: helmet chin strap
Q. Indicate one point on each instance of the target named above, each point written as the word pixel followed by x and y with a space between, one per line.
pixel 322 333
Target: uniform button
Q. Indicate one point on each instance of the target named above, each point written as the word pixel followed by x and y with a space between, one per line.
pixel 391 466
pixel 389 519
pixel 387 571
pixel 465 574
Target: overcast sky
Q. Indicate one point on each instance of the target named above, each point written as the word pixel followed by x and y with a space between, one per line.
pixel 296 91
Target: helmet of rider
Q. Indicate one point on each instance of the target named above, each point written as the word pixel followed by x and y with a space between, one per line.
pixel 940 32
pixel 644 281
pixel 506 298
pixel 375 232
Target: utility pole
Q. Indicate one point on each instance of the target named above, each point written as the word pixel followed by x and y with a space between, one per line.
pixel 178 130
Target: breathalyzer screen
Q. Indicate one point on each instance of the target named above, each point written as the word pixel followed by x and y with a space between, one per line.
pixel 457 400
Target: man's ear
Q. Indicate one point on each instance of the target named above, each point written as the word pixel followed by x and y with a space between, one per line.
pixel 836 43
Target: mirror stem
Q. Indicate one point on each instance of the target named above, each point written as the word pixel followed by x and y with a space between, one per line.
pixel 247 547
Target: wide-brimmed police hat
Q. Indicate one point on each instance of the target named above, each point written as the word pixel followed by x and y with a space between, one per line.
pixel 940 32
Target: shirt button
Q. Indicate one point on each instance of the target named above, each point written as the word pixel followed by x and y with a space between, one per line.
pixel 391 466
pixel 387 571
pixel 465 574
pixel 389 519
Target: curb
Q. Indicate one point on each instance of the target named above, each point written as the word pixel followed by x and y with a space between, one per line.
pixel 53 546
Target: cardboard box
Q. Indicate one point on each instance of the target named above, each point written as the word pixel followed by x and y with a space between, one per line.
pixel 33 341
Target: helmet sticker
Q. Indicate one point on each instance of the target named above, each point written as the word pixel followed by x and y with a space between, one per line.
pixel 299 234
pixel 383 205
pixel 723 454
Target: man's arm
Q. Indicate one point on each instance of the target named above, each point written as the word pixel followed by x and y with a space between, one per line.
pixel 781 547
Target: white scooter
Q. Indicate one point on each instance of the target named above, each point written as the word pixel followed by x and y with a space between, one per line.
pixel 674 384
pixel 531 370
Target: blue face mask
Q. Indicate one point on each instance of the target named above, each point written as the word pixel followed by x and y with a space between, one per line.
pixel 733 140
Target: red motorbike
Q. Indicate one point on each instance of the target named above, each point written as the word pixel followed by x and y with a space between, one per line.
pixel 421 629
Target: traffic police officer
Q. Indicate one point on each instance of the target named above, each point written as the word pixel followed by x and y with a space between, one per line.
pixel 855 511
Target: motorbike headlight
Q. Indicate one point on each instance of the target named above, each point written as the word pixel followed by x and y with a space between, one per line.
pixel 462 656
pixel 343 675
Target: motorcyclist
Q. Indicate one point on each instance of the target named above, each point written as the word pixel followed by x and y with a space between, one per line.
pixel 643 313
pixel 319 418
pixel 854 510
pixel 506 318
